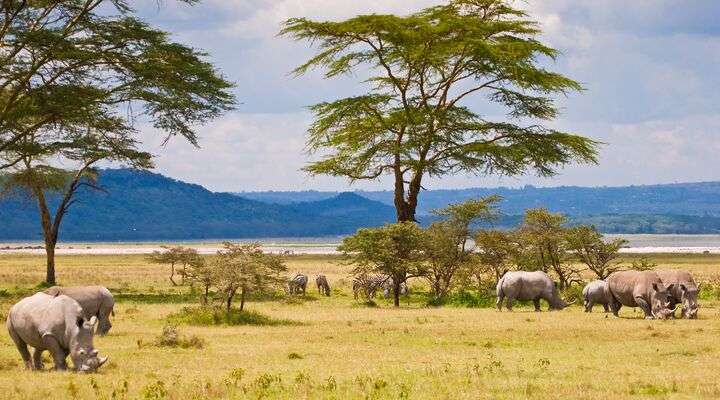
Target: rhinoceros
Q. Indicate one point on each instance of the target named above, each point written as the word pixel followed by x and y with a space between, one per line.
pixel 523 285
pixel 56 324
pixel 596 292
pixel 642 289
pixel 94 300
pixel 684 291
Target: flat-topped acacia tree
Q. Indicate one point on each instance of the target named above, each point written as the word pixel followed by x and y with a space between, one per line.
pixel 415 120
pixel 76 78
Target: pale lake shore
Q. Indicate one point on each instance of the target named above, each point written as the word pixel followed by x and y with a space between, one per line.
pixel 637 244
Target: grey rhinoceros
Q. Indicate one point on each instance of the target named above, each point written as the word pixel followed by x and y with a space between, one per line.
pixel 596 292
pixel 95 301
pixel 523 285
pixel 56 324
pixel 684 291
pixel 642 289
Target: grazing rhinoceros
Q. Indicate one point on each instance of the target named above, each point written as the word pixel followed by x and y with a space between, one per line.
pixel 95 301
pixel 684 291
pixel 642 289
pixel 596 292
pixel 523 285
pixel 56 324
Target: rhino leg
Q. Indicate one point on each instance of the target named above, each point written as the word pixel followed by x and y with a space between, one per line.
pixel 607 309
pixel 22 348
pixel 589 305
pixel 510 301
pixel 58 353
pixel 499 301
pixel 645 307
pixel 536 303
pixel 615 307
pixel 37 359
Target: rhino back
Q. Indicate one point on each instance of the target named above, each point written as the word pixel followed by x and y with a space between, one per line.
pixel 524 285
pixel 677 277
pixel 625 286
pixel 91 298
pixel 597 291
pixel 42 314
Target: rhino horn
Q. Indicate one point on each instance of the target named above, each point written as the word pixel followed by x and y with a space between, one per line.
pixel 102 361
pixel 93 320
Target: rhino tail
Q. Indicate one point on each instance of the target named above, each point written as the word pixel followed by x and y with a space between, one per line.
pixel 499 287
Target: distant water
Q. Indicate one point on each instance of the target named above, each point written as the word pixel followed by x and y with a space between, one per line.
pixel 328 245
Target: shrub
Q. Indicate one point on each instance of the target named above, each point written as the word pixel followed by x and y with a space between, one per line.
pixel 213 316
pixel 171 338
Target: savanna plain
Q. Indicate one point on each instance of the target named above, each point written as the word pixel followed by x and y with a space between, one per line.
pixel 336 347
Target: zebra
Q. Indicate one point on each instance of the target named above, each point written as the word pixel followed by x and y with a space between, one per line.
pixel 389 287
pixel 298 284
pixel 368 285
pixel 322 285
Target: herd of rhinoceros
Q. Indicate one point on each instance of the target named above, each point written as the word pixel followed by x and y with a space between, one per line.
pixel 657 293
pixel 63 320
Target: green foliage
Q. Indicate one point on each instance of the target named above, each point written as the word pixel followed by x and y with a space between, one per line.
pixel 214 316
pixel 177 255
pixel 589 246
pixel 395 250
pixel 643 264
pixel 244 268
pixel 446 249
pixel 413 121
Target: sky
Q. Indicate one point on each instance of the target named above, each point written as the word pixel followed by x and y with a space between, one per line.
pixel 649 67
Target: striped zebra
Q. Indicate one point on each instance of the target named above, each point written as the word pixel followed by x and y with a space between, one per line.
pixel 322 285
pixel 368 285
pixel 389 287
pixel 298 284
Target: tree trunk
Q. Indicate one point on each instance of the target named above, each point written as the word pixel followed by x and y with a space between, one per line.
pixel 396 292
pixel 172 273
pixel 230 296
pixel 50 272
pixel 205 297
pixel 242 299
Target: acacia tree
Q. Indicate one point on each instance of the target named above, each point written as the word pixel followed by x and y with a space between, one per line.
pixel 176 255
pixel 415 120
pixel 543 242
pixel 590 247
pixel 243 269
pixel 496 250
pixel 75 75
pixel 394 250
pixel 446 248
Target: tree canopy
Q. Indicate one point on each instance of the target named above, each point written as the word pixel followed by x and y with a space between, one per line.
pixel 415 120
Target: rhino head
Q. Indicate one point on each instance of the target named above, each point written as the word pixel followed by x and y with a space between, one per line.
pixel 82 352
pixel 661 300
pixel 557 302
pixel 689 301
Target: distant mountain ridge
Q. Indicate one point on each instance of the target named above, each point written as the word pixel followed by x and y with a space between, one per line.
pixel 142 205
pixel 692 199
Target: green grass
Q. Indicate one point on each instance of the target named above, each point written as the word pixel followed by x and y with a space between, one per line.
pixel 339 348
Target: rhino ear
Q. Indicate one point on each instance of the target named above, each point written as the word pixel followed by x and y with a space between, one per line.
pixel 80 322
pixel 655 287
pixel 683 288
pixel 93 320
pixel 670 286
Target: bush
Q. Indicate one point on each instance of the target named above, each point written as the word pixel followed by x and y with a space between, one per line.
pixel 471 299
pixel 171 338
pixel 573 293
pixel 213 316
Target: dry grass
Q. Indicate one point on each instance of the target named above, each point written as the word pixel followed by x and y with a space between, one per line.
pixel 341 349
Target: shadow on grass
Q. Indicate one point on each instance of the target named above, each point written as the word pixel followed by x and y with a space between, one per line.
pixel 155 298
pixel 215 316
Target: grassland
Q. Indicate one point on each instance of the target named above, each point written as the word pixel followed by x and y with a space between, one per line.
pixel 338 348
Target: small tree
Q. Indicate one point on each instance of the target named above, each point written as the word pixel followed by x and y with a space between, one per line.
pixel 590 248
pixel 176 256
pixel 244 269
pixel 200 272
pixel 395 250
pixel 543 240
pixel 446 247
pixel 643 264
pixel 496 250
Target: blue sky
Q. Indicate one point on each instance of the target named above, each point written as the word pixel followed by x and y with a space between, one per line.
pixel 650 67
